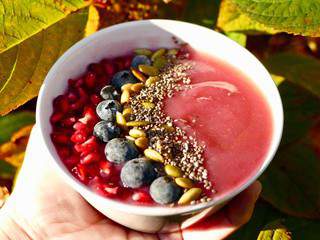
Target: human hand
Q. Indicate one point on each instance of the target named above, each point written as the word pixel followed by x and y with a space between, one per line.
pixel 43 206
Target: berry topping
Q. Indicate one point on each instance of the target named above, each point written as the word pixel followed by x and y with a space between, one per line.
pixel 107 92
pixel 106 131
pixel 137 173
pixel 107 110
pixel 121 78
pixel 140 60
pixel 164 191
pixel 120 150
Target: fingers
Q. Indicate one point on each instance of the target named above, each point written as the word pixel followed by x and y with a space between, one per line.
pixel 227 220
pixel 240 209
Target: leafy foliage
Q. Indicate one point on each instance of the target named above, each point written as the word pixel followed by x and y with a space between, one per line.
pixel 265 215
pixel 300 69
pixel 291 183
pixel 13 122
pixel 20 19
pixel 24 66
pixel 232 20
pixel 292 16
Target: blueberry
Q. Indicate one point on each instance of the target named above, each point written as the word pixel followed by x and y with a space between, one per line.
pixel 120 150
pixel 107 92
pixel 121 78
pixel 137 173
pixel 140 59
pixel 106 131
pixel 107 109
pixel 164 191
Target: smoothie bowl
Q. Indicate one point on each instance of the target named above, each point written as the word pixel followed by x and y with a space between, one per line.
pixel 159 123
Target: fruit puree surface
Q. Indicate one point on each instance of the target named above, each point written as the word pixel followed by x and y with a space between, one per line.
pixel 226 112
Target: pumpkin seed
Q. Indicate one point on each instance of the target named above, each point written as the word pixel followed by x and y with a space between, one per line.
pixel 143 51
pixel 160 52
pixel 148 105
pixel 141 142
pixel 184 182
pixel 152 80
pixel 190 195
pixel 130 138
pixel 153 155
pixel 127 112
pixel 138 74
pixel 168 128
pixel 148 70
pixel 173 51
pixel 120 120
pixel 137 123
pixel 125 97
pixel 172 171
pixel 160 62
pixel 136 87
pixel 137 133
pixel 126 87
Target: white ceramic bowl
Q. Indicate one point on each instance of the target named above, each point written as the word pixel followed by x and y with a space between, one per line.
pixel 121 39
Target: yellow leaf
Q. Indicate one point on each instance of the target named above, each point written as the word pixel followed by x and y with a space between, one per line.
pixel 230 19
pixel 24 66
pixel 93 21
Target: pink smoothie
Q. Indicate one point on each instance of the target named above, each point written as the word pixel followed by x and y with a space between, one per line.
pixel 227 113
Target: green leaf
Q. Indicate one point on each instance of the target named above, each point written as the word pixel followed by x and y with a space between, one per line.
pixel 13 122
pixel 7 171
pixel 264 214
pixel 23 67
pixel 292 16
pixel 292 183
pixel 240 38
pixel 232 20
pixel 204 12
pixel 20 19
pixel 300 69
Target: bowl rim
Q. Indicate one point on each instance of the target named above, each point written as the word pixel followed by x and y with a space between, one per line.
pixel 153 210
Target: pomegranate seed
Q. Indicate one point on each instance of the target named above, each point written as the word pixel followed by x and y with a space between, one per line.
pixel 61 103
pixel 88 146
pixel 68 122
pixel 81 172
pixel 79 83
pixel 79 126
pixel 90 158
pixel 141 196
pixel 102 81
pixel 79 136
pixel 72 97
pixel 63 152
pixel 56 117
pixel 95 99
pixel 90 80
pixel 105 169
pixel 78 148
pixel 89 116
pixel 60 138
pixel 82 94
pixel 119 63
pixel 71 161
pixel 113 190
pixel 108 67
pixel 76 105
pixel 127 61
pixel 96 68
